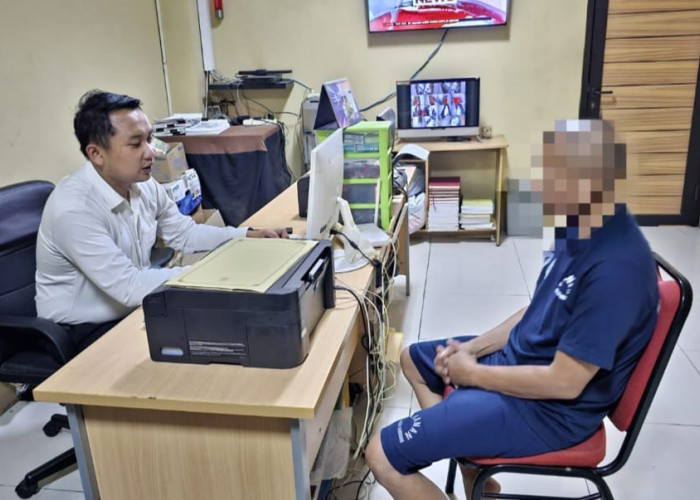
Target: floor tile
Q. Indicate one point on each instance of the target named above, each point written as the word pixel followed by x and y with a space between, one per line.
pixel 663 465
pixel 8 493
pixel 694 357
pixel 680 246
pixel 418 255
pixel 690 335
pixel 451 314
pixel 69 482
pixel 48 494
pixel 674 402
pixel 23 443
pixel 530 257
pixel 477 267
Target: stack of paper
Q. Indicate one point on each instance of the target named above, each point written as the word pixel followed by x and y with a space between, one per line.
pixel 443 203
pixel 175 124
pixel 209 127
pixel 476 214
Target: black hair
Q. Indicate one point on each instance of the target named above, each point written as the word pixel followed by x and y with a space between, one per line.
pixel 92 124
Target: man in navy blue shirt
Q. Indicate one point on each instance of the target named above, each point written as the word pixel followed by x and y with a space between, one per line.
pixel 545 378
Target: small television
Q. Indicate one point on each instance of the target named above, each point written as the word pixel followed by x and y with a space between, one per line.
pixel 406 15
pixel 442 108
pixel 325 186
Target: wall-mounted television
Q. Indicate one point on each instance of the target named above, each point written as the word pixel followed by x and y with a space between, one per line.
pixel 443 108
pixel 403 15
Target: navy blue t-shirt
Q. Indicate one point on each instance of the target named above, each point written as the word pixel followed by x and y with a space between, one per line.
pixel 596 301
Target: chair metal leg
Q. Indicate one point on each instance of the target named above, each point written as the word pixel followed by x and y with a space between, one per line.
pixel 603 488
pixel 30 484
pixel 450 484
pixel 485 473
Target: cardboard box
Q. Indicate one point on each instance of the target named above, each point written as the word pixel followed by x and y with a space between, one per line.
pixel 209 216
pixel 176 189
pixel 192 182
pixel 171 165
pixel 8 397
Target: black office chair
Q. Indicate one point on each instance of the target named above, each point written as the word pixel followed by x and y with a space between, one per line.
pixel 31 348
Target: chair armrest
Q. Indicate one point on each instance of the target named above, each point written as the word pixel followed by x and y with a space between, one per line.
pixel 52 332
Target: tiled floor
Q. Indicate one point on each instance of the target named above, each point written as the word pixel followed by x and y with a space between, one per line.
pixel 467 287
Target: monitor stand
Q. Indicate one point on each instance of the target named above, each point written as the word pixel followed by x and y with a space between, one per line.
pixel 350 258
pixel 457 138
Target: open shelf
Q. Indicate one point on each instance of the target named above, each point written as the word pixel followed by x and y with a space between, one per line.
pixel 465 233
pixel 243 85
pixel 497 145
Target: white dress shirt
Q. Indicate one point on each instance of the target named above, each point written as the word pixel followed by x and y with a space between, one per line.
pixel 93 247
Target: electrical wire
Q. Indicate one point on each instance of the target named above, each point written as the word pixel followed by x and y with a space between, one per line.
pixel 206 95
pixel 299 83
pixel 415 74
pixel 375 362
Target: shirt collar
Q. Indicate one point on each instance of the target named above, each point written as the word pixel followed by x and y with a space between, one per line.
pixel 111 198
pixel 574 245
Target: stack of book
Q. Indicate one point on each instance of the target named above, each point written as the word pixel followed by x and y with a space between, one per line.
pixel 443 203
pixel 476 214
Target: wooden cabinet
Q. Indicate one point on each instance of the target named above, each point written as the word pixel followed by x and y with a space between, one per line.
pixel 497 145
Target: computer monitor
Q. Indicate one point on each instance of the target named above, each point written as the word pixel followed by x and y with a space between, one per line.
pixel 325 186
pixel 337 107
pixel 444 108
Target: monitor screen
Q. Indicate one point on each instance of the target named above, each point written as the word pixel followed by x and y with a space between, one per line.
pixel 444 107
pixel 325 186
pixel 404 15
pixel 337 107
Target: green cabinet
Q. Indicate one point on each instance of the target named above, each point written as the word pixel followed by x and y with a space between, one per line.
pixel 368 178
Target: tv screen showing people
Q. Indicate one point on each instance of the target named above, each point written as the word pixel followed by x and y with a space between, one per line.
pixel 438 104
pixel 447 107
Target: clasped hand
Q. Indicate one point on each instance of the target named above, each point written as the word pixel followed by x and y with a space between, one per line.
pixel 455 363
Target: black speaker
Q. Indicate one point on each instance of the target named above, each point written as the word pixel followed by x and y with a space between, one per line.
pixel 303 194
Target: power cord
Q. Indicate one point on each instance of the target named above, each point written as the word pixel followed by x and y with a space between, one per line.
pixel 376 263
pixel 415 74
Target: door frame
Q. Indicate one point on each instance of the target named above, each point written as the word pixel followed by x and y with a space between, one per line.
pixel 589 107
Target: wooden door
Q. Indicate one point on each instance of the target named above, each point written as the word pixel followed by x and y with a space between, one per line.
pixel 641 71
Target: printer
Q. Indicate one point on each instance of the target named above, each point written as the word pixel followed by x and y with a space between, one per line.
pixel 269 328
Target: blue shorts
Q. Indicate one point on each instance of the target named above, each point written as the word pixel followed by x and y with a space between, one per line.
pixel 471 422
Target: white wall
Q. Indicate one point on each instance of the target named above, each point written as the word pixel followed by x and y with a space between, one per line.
pixel 530 70
pixel 51 52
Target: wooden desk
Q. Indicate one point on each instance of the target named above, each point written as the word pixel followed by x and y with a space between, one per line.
pixel 147 430
pixel 496 144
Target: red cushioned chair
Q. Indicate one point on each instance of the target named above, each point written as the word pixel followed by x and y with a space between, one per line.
pixel 583 460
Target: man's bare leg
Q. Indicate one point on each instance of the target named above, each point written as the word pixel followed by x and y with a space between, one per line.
pixel 426 397
pixel 468 477
pixel 400 486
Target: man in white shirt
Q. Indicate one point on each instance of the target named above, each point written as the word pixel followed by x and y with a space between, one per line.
pixel 100 223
